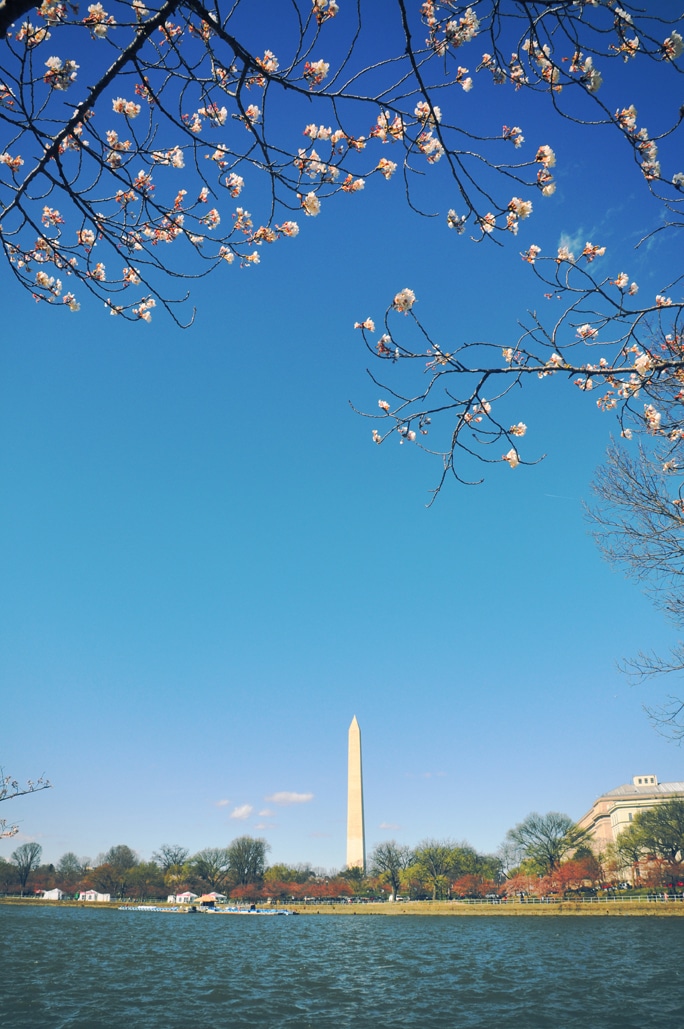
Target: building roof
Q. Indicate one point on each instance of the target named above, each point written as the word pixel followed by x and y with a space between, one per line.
pixel 648 790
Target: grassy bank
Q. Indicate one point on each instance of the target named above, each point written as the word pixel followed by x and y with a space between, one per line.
pixel 39 902
pixel 512 909
pixel 612 908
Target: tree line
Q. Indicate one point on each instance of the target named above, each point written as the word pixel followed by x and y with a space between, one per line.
pixel 542 855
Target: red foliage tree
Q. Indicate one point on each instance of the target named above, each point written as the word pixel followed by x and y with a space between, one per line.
pixel 247 892
pixel 521 884
pixel 473 885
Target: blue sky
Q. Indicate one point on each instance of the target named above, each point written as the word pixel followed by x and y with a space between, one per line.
pixel 208 568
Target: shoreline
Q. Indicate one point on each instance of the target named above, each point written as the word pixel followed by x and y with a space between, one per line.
pixel 451 909
pixel 426 908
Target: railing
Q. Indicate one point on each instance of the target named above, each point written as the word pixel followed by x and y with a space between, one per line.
pixel 622 898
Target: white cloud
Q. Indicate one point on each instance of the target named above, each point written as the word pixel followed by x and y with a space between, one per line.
pixel 573 241
pixel 266 813
pixel 389 825
pixel 242 812
pixel 286 797
pixel 222 803
pixel 265 825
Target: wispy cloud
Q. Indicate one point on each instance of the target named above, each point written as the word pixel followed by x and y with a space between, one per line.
pixel 241 812
pixel 573 241
pixel 265 825
pixel 266 813
pixel 389 825
pixel 222 803
pixel 286 797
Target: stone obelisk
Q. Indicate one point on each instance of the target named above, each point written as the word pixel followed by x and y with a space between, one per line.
pixel 356 837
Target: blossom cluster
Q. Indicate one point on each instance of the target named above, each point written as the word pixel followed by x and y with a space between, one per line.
pixel 324 9
pixel 517 210
pixel 13 163
pixel 53 11
pixel 173 158
pixel 32 35
pixel 127 107
pixel 60 74
pixel 449 31
pixel 514 134
pixel 645 147
pixel 549 71
pixel 310 204
pixel 98 21
pixel 315 72
pixel 388 127
pixel 404 301
pixel 456 221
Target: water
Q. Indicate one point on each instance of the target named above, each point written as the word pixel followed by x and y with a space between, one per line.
pixel 74 968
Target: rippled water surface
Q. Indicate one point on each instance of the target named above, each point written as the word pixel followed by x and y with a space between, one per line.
pixel 74 967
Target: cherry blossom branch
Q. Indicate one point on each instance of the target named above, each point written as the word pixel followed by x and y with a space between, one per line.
pixel 642 357
pixel 87 105
pixel 11 788
pixel 120 210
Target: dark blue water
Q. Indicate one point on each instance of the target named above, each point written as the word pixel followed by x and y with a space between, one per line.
pixel 90 969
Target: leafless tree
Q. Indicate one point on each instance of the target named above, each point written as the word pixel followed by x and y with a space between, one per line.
pixel 170 855
pixel 247 860
pixel 546 839
pixel 638 524
pixel 71 869
pixel 211 867
pixel 390 859
pixel 27 858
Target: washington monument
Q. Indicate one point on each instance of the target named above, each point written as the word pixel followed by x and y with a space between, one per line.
pixel 356 837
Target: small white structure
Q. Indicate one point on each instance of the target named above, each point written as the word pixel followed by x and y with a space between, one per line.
pixel 52 894
pixel 181 898
pixel 211 898
pixel 93 895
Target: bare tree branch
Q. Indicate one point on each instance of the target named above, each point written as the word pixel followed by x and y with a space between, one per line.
pixel 11 788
